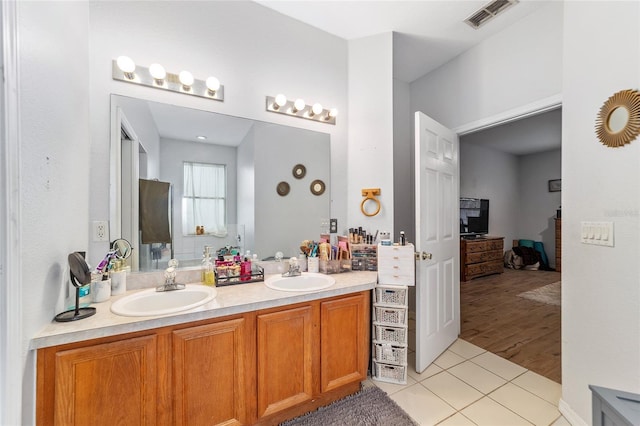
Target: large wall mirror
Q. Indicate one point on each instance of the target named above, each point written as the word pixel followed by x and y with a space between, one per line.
pixel 183 179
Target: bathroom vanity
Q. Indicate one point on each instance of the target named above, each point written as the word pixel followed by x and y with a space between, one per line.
pixel 253 355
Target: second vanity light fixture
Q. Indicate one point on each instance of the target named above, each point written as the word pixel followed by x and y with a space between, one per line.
pixel 124 69
pixel 298 108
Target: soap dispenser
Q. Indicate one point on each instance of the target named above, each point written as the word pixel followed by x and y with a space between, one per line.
pixel 208 276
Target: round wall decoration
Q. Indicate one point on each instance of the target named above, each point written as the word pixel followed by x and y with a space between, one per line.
pixel 317 187
pixel 299 171
pixel 283 188
pixel 618 121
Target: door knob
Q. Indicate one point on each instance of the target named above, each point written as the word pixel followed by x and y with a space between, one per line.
pixel 423 256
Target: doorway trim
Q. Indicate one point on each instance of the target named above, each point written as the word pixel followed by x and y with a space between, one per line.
pixel 11 324
pixel 524 111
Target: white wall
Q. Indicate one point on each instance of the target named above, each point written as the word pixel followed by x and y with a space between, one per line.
pixel 487 173
pixel 403 161
pixel 54 165
pixel 537 205
pixel 515 67
pixel 370 150
pixel 600 289
pixel 253 50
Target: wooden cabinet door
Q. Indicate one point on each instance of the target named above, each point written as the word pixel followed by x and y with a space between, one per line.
pixel 285 348
pixel 344 352
pixel 107 384
pixel 210 374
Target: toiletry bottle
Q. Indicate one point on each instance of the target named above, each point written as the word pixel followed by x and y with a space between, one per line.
pixel 208 274
pixel 245 269
pixel 403 240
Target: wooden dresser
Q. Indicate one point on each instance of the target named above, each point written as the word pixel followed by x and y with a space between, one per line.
pixel 558 244
pixel 480 257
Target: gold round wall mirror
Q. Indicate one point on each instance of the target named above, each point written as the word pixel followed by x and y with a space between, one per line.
pixel 618 121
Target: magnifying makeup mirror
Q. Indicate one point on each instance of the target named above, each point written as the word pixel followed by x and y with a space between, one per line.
pixel 80 276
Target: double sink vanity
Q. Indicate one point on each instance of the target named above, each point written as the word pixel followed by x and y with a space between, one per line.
pixel 256 353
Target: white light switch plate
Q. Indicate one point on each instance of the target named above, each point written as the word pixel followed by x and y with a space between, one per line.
pixel 597 233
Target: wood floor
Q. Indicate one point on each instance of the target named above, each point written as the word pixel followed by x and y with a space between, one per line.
pixel 521 330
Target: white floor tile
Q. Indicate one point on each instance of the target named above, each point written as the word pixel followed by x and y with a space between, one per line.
pixel 430 371
pixel 487 412
pixel 391 388
pixel 465 349
pixel 500 366
pixel 452 390
pixel 457 420
pixel 476 376
pixel 422 405
pixel 541 386
pixel 561 422
pixel 448 359
pixel 534 409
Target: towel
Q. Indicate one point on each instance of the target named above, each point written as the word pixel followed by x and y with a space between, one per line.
pixel 154 212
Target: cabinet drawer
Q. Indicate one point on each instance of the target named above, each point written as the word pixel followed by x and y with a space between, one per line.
pixel 478 246
pixel 389 253
pixel 484 268
pixel 484 256
pixel 396 279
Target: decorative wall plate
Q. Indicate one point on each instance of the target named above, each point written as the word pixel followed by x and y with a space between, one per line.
pixel 317 187
pixel 618 121
pixel 283 188
pixel 299 171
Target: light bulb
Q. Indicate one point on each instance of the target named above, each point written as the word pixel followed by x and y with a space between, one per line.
pixel 157 72
pixel 213 84
pixel 333 113
pixel 298 105
pixel 186 78
pixel 126 65
pixel 316 109
pixel 280 101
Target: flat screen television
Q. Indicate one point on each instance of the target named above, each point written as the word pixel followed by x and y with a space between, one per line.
pixel 474 217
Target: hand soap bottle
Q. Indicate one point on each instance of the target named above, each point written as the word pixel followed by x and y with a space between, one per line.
pixel 208 276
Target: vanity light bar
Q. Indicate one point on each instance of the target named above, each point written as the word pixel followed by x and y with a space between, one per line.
pixel 281 105
pixel 155 76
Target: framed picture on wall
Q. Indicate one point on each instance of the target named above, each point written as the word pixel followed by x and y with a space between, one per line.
pixel 555 185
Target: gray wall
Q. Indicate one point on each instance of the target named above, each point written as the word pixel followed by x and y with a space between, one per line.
pixel 538 205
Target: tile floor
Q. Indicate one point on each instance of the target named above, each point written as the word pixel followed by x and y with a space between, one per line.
pixel 467 385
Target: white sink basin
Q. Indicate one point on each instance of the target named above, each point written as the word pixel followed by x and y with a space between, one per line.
pixel 308 281
pixel 151 302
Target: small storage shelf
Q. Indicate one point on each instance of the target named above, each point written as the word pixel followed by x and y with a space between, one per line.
pixel 396 271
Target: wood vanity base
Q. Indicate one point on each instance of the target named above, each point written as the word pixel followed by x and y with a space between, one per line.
pixel 260 367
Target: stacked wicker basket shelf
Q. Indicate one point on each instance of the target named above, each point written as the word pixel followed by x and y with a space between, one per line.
pixel 390 313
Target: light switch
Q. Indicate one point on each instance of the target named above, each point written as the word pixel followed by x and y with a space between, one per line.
pixel 597 233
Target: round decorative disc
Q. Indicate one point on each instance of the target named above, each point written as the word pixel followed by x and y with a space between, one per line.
pixel 317 187
pixel 283 188
pixel 299 171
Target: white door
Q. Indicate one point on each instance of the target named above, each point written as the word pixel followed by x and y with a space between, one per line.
pixel 438 234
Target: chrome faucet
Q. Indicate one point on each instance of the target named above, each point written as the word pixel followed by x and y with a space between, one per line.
pixel 294 268
pixel 170 278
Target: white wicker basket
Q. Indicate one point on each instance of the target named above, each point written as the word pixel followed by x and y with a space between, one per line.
pixel 390 316
pixel 385 334
pixel 390 353
pixel 390 373
pixel 392 296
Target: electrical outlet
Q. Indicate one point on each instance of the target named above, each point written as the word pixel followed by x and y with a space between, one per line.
pixel 333 226
pixel 100 230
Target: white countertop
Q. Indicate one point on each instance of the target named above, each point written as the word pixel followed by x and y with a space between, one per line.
pixel 233 299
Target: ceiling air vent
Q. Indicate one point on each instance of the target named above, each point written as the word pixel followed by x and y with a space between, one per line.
pixel 490 10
